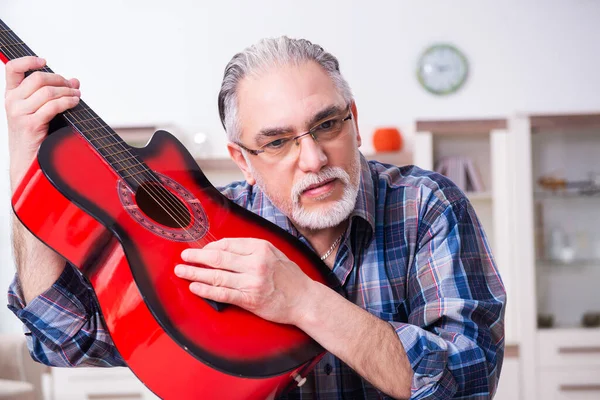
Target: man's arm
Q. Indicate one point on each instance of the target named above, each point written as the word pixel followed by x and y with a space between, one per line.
pixel 30 105
pixel 367 344
pixel 57 307
pixel 63 325
pixel 38 266
pixel 455 332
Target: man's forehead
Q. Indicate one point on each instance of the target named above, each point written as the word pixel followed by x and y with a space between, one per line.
pixel 283 96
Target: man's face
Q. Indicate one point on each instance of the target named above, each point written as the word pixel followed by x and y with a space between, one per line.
pixel 314 184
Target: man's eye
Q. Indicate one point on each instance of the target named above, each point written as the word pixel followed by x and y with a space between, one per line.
pixel 276 144
pixel 327 124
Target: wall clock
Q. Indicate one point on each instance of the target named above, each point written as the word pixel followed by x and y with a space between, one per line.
pixel 442 69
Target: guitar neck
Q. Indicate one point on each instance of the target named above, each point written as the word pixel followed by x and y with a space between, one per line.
pixel 107 143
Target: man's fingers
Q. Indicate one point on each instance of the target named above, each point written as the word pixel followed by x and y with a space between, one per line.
pixel 214 258
pixel 75 84
pixel 15 69
pixel 49 110
pixel 46 94
pixel 220 294
pixel 213 277
pixel 37 80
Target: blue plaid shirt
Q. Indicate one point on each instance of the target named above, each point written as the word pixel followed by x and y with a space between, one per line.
pixel 414 255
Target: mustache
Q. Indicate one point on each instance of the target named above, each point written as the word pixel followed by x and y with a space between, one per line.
pixel 312 178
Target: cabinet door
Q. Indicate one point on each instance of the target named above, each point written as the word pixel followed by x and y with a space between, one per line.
pixel 569 384
pixel 508 387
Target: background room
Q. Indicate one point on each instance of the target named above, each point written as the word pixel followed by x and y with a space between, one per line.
pixel 526 118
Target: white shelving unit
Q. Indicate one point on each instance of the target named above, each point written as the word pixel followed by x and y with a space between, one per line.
pixel 561 361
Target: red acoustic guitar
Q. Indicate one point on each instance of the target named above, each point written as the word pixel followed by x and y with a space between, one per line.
pixel 123 216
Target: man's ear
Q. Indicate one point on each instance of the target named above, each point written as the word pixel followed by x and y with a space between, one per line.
pixel 235 152
pixel 355 120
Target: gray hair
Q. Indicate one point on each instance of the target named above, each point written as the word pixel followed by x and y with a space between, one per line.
pixel 262 56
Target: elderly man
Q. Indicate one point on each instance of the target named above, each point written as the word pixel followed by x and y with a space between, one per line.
pixel 422 307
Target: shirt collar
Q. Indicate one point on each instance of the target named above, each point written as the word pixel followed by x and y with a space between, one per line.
pixel 364 209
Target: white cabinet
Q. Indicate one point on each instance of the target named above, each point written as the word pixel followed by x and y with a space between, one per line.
pixel 569 384
pixel 557 160
pixel 509 387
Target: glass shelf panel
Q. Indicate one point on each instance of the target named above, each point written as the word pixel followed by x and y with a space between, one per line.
pixel 566 193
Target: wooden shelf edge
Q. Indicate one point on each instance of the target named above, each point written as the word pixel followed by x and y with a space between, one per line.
pixel 479 196
pixel 399 158
pixel 540 122
pixel 219 164
pixel 511 351
pixel 476 126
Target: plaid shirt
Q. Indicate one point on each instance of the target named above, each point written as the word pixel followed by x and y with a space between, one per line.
pixel 414 255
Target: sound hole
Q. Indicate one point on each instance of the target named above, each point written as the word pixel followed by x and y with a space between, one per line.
pixel 162 206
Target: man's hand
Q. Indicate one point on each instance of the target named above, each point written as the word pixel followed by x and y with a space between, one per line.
pixel 31 103
pixel 250 273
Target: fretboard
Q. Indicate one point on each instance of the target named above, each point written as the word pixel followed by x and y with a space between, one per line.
pixel 121 157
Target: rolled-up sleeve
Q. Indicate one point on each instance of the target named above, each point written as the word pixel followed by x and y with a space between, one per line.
pixel 454 337
pixel 63 325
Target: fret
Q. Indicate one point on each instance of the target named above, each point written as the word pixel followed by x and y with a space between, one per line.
pixel 131 167
pixel 118 152
pixel 133 157
pixel 124 161
pixel 89 119
pixel 132 175
pixel 12 44
pixel 80 110
pixel 109 145
pixel 105 127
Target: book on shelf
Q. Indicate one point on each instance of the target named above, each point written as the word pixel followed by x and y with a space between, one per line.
pixel 463 172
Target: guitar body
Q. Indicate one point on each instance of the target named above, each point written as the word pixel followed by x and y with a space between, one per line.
pixel 126 244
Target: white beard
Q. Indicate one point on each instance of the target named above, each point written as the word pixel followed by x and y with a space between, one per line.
pixel 321 217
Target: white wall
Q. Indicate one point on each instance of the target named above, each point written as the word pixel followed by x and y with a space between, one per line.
pixel 159 62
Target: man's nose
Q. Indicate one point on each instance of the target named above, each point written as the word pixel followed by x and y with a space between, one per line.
pixel 312 157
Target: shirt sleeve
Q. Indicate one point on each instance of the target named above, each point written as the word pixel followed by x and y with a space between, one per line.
pixel 454 337
pixel 63 325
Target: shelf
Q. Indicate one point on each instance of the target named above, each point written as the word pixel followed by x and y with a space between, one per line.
pixel 566 195
pixel 570 329
pixel 217 164
pixel 565 121
pixel 479 196
pixel 461 126
pixel 570 264
pixel 399 158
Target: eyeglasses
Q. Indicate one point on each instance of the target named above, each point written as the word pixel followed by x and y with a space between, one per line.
pixel 324 132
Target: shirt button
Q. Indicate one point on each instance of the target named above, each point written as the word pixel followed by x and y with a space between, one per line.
pixel 328 369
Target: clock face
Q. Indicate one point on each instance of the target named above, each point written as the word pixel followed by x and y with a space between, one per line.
pixel 442 69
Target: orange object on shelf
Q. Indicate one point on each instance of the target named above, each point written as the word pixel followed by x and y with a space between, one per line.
pixel 387 139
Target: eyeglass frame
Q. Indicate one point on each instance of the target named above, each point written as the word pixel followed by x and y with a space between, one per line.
pixel 295 138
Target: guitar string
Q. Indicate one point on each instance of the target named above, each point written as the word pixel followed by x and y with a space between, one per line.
pixel 103 127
